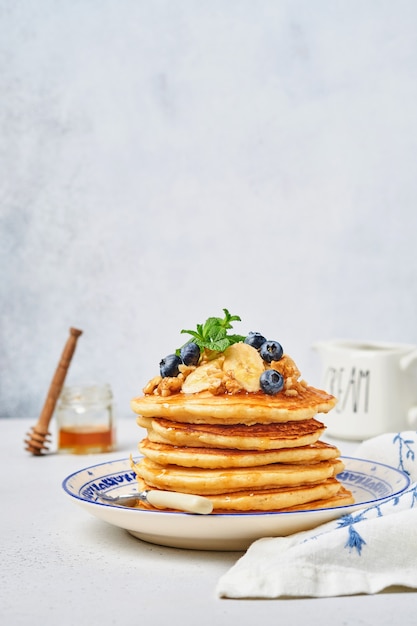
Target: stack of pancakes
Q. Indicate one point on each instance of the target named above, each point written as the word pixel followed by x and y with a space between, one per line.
pixel 245 451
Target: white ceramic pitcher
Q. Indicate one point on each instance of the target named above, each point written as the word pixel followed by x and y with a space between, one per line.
pixel 375 385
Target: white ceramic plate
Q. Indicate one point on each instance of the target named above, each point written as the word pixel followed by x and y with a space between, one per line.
pixel 370 483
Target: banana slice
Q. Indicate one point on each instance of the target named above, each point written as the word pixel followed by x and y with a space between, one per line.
pixel 245 364
pixel 207 376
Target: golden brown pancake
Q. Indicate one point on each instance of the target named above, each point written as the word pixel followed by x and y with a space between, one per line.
pixel 241 408
pixel 326 494
pixel 216 481
pixel 342 498
pixel 214 458
pixel 240 436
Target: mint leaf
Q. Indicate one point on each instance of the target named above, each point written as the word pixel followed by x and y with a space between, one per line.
pixel 218 345
pixel 229 318
pixel 212 335
pixel 193 333
pixel 235 338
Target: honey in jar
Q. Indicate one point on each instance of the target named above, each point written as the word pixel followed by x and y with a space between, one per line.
pixel 85 419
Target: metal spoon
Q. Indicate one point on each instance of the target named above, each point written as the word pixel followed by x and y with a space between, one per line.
pixel 161 499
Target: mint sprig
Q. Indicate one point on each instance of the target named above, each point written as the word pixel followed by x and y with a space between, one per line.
pixel 213 335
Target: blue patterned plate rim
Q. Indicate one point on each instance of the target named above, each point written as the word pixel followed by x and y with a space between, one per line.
pixel 368 481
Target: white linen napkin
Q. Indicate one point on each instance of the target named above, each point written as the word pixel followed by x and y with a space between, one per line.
pixel 364 552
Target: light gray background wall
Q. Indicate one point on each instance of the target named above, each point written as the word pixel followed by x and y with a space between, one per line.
pixel 161 160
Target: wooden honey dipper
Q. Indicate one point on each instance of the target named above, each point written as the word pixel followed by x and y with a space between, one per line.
pixel 38 437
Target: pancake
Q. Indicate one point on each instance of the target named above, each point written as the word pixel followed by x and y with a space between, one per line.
pixel 342 498
pixel 322 495
pixel 214 458
pixel 326 494
pixel 222 481
pixel 239 436
pixel 239 408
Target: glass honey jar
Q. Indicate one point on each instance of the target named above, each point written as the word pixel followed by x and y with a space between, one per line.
pixel 85 419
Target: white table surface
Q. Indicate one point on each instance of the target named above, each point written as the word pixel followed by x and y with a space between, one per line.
pixel 61 566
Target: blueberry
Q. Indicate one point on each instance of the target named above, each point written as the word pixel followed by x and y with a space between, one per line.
pixel 255 340
pixel 271 382
pixel 190 353
pixel 169 365
pixel 271 351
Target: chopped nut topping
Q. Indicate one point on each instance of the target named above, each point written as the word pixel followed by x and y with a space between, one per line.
pixel 168 385
pixel 290 392
pixel 232 385
pixel 222 381
pixel 287 367
pixel 152 385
